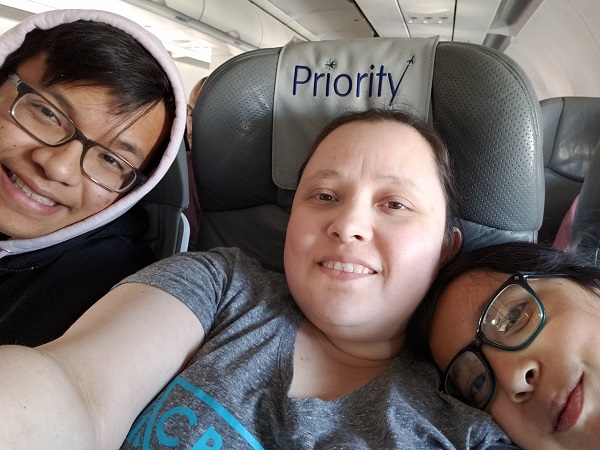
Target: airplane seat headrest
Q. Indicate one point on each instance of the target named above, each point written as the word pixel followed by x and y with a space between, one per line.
pixel 571 129
pixel 258 114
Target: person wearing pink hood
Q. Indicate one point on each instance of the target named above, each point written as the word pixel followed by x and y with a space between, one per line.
pixel 92 113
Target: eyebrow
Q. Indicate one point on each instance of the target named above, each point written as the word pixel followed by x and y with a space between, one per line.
pixel 324 174
pixel 128 147
pixel 404 182
pixel 125 145
pixel 393 180
pixel 484 304
pixel 481 308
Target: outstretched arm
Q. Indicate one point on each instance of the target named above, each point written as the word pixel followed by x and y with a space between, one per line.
pixel 85 389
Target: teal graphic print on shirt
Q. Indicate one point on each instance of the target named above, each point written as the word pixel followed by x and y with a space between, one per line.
pixel 161 425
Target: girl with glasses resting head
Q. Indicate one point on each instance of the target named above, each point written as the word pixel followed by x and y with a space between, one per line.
pixel 91 117
pixel 515 330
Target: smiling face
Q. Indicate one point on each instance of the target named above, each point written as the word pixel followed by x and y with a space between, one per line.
pixel 366 231
pixel 42 189
pixel 547 395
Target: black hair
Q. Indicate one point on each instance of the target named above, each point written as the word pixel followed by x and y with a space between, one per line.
pixel 440 152
pixel 97 54
pixel 574 262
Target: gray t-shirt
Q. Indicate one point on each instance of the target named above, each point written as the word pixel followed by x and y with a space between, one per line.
pixel 233 393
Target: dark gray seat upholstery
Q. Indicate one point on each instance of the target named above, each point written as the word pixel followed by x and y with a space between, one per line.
pixel 168 231
pixel 482 104
pixel 586 221
pixel 571 129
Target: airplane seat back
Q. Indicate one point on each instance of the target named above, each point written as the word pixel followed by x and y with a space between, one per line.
pixel 586 220
pixel 480 101
pixel 169 231
pixel 571 129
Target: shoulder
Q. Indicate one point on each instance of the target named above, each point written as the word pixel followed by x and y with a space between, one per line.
pixel 222 284
pixel 230 265
pixel 216 274
pixel 414 391
pixel 115 253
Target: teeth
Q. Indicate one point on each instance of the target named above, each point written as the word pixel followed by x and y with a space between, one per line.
pixel 21 185
pixel 347 267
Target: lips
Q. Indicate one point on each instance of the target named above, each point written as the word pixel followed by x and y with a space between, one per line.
pixel 18 182
pixel 571 410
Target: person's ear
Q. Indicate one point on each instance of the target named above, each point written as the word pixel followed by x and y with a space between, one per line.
pixel 452 247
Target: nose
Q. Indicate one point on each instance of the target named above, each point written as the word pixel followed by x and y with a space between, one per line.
pixel 351 222
pixel 517 374
pixel 61 164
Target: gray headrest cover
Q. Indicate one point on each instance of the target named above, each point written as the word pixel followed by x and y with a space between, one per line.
pixel 318 81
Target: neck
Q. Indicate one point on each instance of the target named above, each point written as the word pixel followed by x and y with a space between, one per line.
pixel 358 353
pixel 327 369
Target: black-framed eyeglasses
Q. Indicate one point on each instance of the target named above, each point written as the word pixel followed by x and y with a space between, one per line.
pixel 46 123
pixel 511 320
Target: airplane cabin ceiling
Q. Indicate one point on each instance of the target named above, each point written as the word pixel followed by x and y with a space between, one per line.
pixel 213 30
pixel 489 22
pixel 325 19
